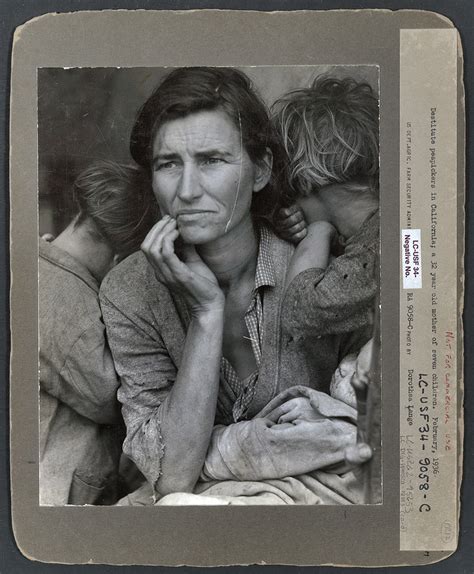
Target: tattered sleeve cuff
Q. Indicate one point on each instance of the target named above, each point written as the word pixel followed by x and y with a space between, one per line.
pixel 237 452
pixel 145 446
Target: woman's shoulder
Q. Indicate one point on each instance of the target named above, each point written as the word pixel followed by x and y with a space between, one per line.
pixel 132 278
pixel 279 249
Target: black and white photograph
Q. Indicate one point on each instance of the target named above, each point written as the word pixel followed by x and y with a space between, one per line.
pixel 236 280
pixel 209 286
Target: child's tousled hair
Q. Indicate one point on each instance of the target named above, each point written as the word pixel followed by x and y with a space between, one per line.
pixel 118 200
pixel 331 134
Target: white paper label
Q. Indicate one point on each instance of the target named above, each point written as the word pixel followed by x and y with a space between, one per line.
pixel 411 258
pixel 429 345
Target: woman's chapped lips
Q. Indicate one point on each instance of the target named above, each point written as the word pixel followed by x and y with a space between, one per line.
pixel 190 212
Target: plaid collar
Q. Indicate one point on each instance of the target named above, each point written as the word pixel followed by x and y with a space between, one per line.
pixel 264 273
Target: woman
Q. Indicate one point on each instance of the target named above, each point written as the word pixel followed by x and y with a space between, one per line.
pixel 193 321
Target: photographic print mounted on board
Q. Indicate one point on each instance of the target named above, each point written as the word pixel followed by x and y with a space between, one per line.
pixel 233 336
pixel 211 301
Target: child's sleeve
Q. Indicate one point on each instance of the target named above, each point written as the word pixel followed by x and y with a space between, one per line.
pixel 338 299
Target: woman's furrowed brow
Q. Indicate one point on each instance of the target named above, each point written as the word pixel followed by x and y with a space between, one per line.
pixel 202 153
pixel 199 154
pixel 209 152
pixel 165 156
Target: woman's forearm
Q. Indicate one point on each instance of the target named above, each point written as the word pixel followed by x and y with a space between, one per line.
pixel 189 410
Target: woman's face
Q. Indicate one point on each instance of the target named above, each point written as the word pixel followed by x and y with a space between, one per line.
pixel 203 176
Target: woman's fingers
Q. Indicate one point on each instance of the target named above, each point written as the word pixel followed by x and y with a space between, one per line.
pixel 153 243
pixel 167 243
pixel 278 412
pixel 161 236
pixel 154 233
pixel 179 272
pixel 167 258
pixel 289 416
pixel 192 278
pixel 289 410
pixel 190 255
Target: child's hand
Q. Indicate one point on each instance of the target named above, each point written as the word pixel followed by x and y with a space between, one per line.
pixel 291 224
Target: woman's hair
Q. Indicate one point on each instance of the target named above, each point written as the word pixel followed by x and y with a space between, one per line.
pixel 118 200
pixel 330 132
pixel 185 91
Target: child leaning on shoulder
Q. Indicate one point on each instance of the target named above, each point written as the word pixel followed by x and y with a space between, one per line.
pixel 330 133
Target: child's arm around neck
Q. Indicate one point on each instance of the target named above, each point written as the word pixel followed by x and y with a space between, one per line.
pixel 334 209
pixel 313 251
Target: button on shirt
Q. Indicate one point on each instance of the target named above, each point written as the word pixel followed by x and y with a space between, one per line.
pixel 244 389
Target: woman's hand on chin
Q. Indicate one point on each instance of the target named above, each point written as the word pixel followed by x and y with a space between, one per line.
pixel 189 277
